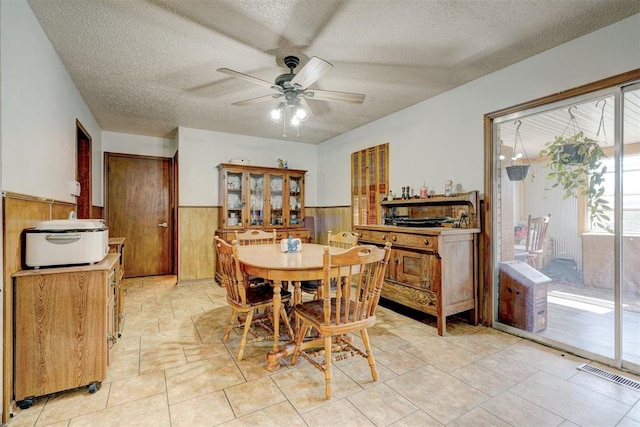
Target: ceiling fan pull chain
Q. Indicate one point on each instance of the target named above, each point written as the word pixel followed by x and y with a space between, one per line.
pixel 284 122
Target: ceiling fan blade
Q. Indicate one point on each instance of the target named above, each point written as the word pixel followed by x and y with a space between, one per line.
pixel 246 77
pixel 312 71
pixel 329 95
pixel 258 99
pixel 305 105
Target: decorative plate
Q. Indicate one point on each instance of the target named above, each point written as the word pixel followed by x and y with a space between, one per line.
pixel 256 183
pixel 293 202
pixel 256 202
pixel 276 184
pixel 233 181
pixel 276 202
pixel 234 201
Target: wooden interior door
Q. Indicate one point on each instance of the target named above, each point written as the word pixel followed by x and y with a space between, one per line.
pixel 83 171
pixel 139 208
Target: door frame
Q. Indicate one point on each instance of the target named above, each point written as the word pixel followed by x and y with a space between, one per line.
pixel 173 212
pixel 84 159
pixel 490 233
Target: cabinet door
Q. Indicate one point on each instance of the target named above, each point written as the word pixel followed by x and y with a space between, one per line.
pixel 276 199
pixel 411 268
pixel 295 200
pixel 112 312
pixel 233 203
pixel 257 200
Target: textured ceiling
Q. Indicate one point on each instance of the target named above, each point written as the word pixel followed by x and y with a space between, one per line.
pixel 149 66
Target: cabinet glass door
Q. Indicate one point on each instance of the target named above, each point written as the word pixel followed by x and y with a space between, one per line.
pixel 256 200
pixel 234 199
pixel 295 200
pixel 276 192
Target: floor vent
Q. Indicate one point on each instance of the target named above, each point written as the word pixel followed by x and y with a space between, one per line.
pixel 610 376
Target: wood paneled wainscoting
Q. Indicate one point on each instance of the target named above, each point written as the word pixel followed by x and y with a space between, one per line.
pixel 19 212
pixel 196 254
pixel 334 218
pixel 197 226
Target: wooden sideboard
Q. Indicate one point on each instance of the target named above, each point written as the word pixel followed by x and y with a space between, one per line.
pixel 433 270
pixel 66 320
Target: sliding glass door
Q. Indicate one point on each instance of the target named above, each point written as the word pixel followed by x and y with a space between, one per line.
pixel 629 271
pixel 576 283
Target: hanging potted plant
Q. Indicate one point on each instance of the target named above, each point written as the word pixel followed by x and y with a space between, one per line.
pixel 576 164
pixel 518 172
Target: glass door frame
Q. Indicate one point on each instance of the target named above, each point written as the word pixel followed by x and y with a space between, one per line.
pixel 613 86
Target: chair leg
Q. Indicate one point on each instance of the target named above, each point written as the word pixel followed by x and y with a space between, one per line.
pixel 296 351
pixel 328 340
pixel 285 319
pixel 372 362
pixel 227 331
pixel 245 333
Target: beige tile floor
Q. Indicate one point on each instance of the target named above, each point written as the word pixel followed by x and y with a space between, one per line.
pixel 171 369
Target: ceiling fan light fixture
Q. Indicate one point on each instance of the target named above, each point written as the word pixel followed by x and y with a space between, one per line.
pixel 301 114
pixel 276 114
pixel 295 121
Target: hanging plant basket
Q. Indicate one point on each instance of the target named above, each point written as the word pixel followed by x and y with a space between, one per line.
pixel 576 165
pixel 571 154
pixel 517 172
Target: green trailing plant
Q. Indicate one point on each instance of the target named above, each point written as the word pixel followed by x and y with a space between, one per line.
pixel 576 165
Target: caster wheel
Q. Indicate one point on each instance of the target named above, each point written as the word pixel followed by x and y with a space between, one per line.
pixel 93 387
pixel 26 403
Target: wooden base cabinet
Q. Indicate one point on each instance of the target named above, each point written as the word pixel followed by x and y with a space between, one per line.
pixel 65 322
pixel 433 270
pixel 116 246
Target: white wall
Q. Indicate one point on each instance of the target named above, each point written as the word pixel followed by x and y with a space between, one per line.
pixel 40 105
pixel 442 138
pixel 113 142
pixel 201 151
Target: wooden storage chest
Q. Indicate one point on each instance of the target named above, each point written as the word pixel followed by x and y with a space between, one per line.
pixel 522 301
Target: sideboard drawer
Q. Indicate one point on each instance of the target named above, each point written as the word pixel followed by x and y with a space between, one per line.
pixel 375 237
pixel 417 241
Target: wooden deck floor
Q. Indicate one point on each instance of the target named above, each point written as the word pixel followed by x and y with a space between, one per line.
pixel 584 318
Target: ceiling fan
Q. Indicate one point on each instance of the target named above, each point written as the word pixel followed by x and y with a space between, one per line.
pixel 295 87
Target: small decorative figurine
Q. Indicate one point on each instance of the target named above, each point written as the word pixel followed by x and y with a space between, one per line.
pixel 292 245
pixel 424 191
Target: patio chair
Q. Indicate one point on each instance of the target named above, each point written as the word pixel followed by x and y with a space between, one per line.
pixel 536 235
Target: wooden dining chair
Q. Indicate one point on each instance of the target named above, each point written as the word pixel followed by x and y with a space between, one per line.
pixel 359 272
pixel 344 240
pixel 247 300
pixel 255 237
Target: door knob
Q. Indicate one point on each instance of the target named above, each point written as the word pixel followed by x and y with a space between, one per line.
pixel 164 224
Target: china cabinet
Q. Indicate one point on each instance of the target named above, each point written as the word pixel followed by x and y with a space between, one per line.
pixel 259 197
pixel 255 197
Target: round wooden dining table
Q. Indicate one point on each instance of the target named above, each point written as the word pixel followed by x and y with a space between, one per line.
pixel 282 268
